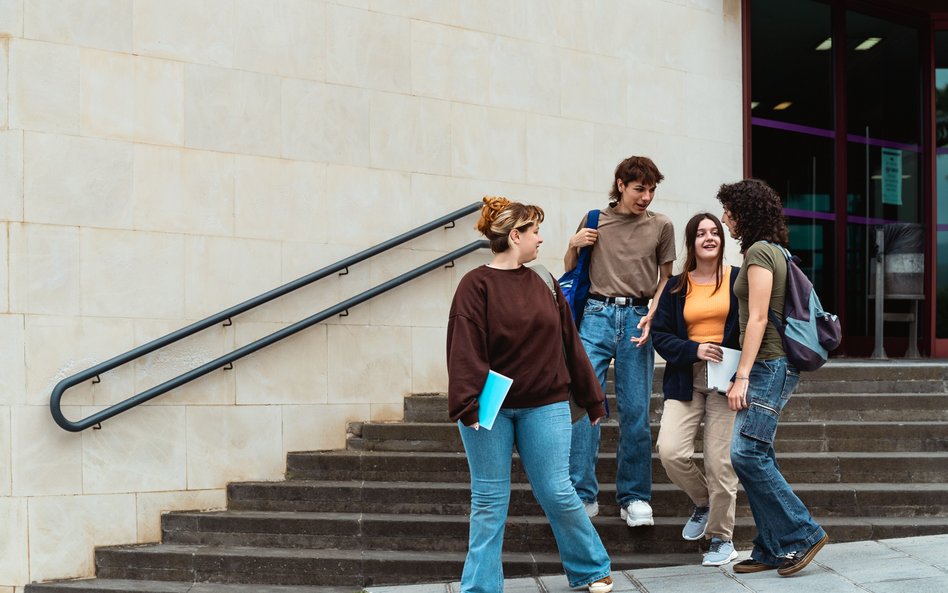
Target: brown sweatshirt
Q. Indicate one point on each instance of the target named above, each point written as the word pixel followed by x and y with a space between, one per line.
pixel 508 321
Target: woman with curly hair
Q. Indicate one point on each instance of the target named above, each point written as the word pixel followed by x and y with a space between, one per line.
pixel 504 318
pixel 787 536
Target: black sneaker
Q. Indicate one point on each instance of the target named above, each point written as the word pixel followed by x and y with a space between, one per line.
pixel 750 565
pixel 797 561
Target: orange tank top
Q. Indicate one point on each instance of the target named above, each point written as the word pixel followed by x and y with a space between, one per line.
pixel 705 313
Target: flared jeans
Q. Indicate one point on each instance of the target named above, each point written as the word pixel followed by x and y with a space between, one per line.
pixel 542 438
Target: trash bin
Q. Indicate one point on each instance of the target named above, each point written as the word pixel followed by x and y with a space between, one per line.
pixel 903 247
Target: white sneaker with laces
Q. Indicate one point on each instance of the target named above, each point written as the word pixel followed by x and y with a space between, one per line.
pixel 637 513
pixel 592 508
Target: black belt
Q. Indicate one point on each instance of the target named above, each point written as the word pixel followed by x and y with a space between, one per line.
pixel 622 301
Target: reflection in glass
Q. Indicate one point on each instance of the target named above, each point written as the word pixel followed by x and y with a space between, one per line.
pixel 941 183
pixel 884 81
pixel 884 183
pixel 787 67
pixel 798 166
pixel 883 169
pixel 811 239
pixel 941 310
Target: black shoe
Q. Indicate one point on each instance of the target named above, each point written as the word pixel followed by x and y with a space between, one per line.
pixel 797 561
pixel 750 565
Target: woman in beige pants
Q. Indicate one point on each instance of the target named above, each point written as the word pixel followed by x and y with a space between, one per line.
pixel 697 314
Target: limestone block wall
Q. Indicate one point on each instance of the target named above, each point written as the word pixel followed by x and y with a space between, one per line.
pixel 161 160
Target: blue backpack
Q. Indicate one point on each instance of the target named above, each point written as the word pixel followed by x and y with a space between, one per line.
pixel 808 332
pixel 575 283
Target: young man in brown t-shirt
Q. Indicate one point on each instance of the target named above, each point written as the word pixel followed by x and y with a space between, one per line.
pixel 632 254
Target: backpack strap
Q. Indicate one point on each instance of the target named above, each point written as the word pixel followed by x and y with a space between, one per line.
pixel 592 219
pixel 541 271
pixel 592 222
pixel 771 315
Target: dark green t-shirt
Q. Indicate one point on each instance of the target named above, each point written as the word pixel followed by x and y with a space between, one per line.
pixel 769 257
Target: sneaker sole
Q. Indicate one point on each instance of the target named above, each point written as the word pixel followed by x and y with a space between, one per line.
pixel 730 559
pixel 811 553
pixel 645 522
pixel 693 539
pixel 750 569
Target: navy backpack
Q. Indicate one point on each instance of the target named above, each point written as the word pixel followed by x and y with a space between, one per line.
pixel 808 332
pixel 575 283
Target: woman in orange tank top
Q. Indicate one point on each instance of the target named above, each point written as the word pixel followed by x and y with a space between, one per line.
pixel 698 314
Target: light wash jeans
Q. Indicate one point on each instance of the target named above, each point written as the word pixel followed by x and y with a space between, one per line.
pixel 606 331
pixel 784 524
pixel 542 436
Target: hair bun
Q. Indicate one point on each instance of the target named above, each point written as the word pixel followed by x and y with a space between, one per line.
pixel 493 206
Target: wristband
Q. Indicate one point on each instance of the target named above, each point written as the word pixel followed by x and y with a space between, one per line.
pixel 745 378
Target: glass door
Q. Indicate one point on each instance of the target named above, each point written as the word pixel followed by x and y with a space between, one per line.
pixel 836 129
pixel 941 192
pixel 883 180
pixel 792 126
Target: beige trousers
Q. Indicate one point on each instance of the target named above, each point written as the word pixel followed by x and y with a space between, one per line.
pixel 717 487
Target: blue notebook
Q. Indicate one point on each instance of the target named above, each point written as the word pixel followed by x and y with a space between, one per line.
pixel 492 396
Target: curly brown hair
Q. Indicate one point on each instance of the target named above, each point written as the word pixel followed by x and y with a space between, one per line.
pixel 499 216
pixel 756 211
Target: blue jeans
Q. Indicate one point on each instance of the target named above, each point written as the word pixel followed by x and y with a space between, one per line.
pixel 606 331
pixel 542 437
pixel 784 524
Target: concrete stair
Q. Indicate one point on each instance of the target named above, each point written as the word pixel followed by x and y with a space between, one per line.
pixel 864 444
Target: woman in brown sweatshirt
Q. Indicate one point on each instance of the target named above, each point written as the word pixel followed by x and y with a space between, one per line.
pixel 505 318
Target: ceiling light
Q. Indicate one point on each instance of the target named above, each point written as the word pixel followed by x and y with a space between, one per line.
pixel 754 104
pixel 782 106
pixel 869 43
pixel 827 44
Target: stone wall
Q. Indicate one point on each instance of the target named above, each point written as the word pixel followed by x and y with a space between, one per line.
pixel 161 160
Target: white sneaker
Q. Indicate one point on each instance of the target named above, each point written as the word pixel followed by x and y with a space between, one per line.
pixel 603 585
pixel 592 508
pixel 637 513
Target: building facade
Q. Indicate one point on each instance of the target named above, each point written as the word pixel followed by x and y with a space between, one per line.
pixel 161 160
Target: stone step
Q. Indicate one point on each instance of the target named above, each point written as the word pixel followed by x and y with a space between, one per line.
pixel 860 406
pixel 453 498
pixel 792 436
pixel 426 466
pixel 836 378
pixel 283 566
pixel 398 530
pixel 287 566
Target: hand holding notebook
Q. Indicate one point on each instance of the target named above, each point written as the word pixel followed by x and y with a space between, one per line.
pixel 720 373
pixel 491 398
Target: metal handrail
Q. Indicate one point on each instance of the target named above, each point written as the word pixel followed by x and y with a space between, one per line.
pixel 55 402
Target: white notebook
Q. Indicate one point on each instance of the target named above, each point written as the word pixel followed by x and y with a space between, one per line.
pixel 720 373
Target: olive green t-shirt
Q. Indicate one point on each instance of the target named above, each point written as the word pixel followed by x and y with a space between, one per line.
pixel 769 257
pixel 626 257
